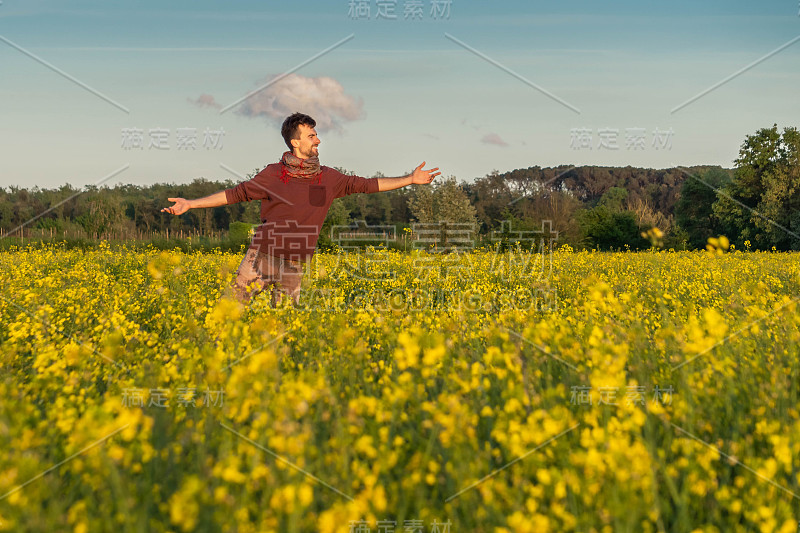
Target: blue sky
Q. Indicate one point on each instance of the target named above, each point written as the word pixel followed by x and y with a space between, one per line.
pixel 397 92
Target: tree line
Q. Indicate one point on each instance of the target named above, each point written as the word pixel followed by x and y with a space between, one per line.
pixel 755 204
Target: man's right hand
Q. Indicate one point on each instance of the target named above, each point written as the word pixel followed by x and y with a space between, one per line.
pixel 181 206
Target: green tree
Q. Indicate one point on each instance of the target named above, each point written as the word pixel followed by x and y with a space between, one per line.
pixel 490 195
pixel 338 215
pixel 762 202
pixel 422 204
pixel 609 224
pixel 444 201
pixel 103 211
pixel 614 199
pixel 605 229
pixel 694 211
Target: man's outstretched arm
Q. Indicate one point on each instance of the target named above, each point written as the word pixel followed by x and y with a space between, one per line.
pixel 182 205
pixel 419 176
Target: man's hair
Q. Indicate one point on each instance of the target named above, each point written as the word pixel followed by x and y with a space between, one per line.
pixel 290 129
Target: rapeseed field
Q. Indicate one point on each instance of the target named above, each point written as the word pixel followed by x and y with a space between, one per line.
pixel 475 392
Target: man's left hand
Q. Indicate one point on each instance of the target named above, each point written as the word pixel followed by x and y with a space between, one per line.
pixel 420 176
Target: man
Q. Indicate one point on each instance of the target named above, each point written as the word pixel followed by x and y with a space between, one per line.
pixel 295 195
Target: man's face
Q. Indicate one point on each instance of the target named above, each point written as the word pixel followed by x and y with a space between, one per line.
pixel 307 145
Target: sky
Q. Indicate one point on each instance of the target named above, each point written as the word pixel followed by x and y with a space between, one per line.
pixel 101 93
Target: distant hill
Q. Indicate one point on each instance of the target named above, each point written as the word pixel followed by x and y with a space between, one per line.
pixel 659 187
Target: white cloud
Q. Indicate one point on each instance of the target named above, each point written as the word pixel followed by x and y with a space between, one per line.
pixel 493 138
pixel 205 100
pixel 322 98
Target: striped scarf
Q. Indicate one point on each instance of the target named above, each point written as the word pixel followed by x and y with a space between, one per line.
pixel 295 167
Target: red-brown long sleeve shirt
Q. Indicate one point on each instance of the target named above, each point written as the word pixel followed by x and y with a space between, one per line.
pixel 292 213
